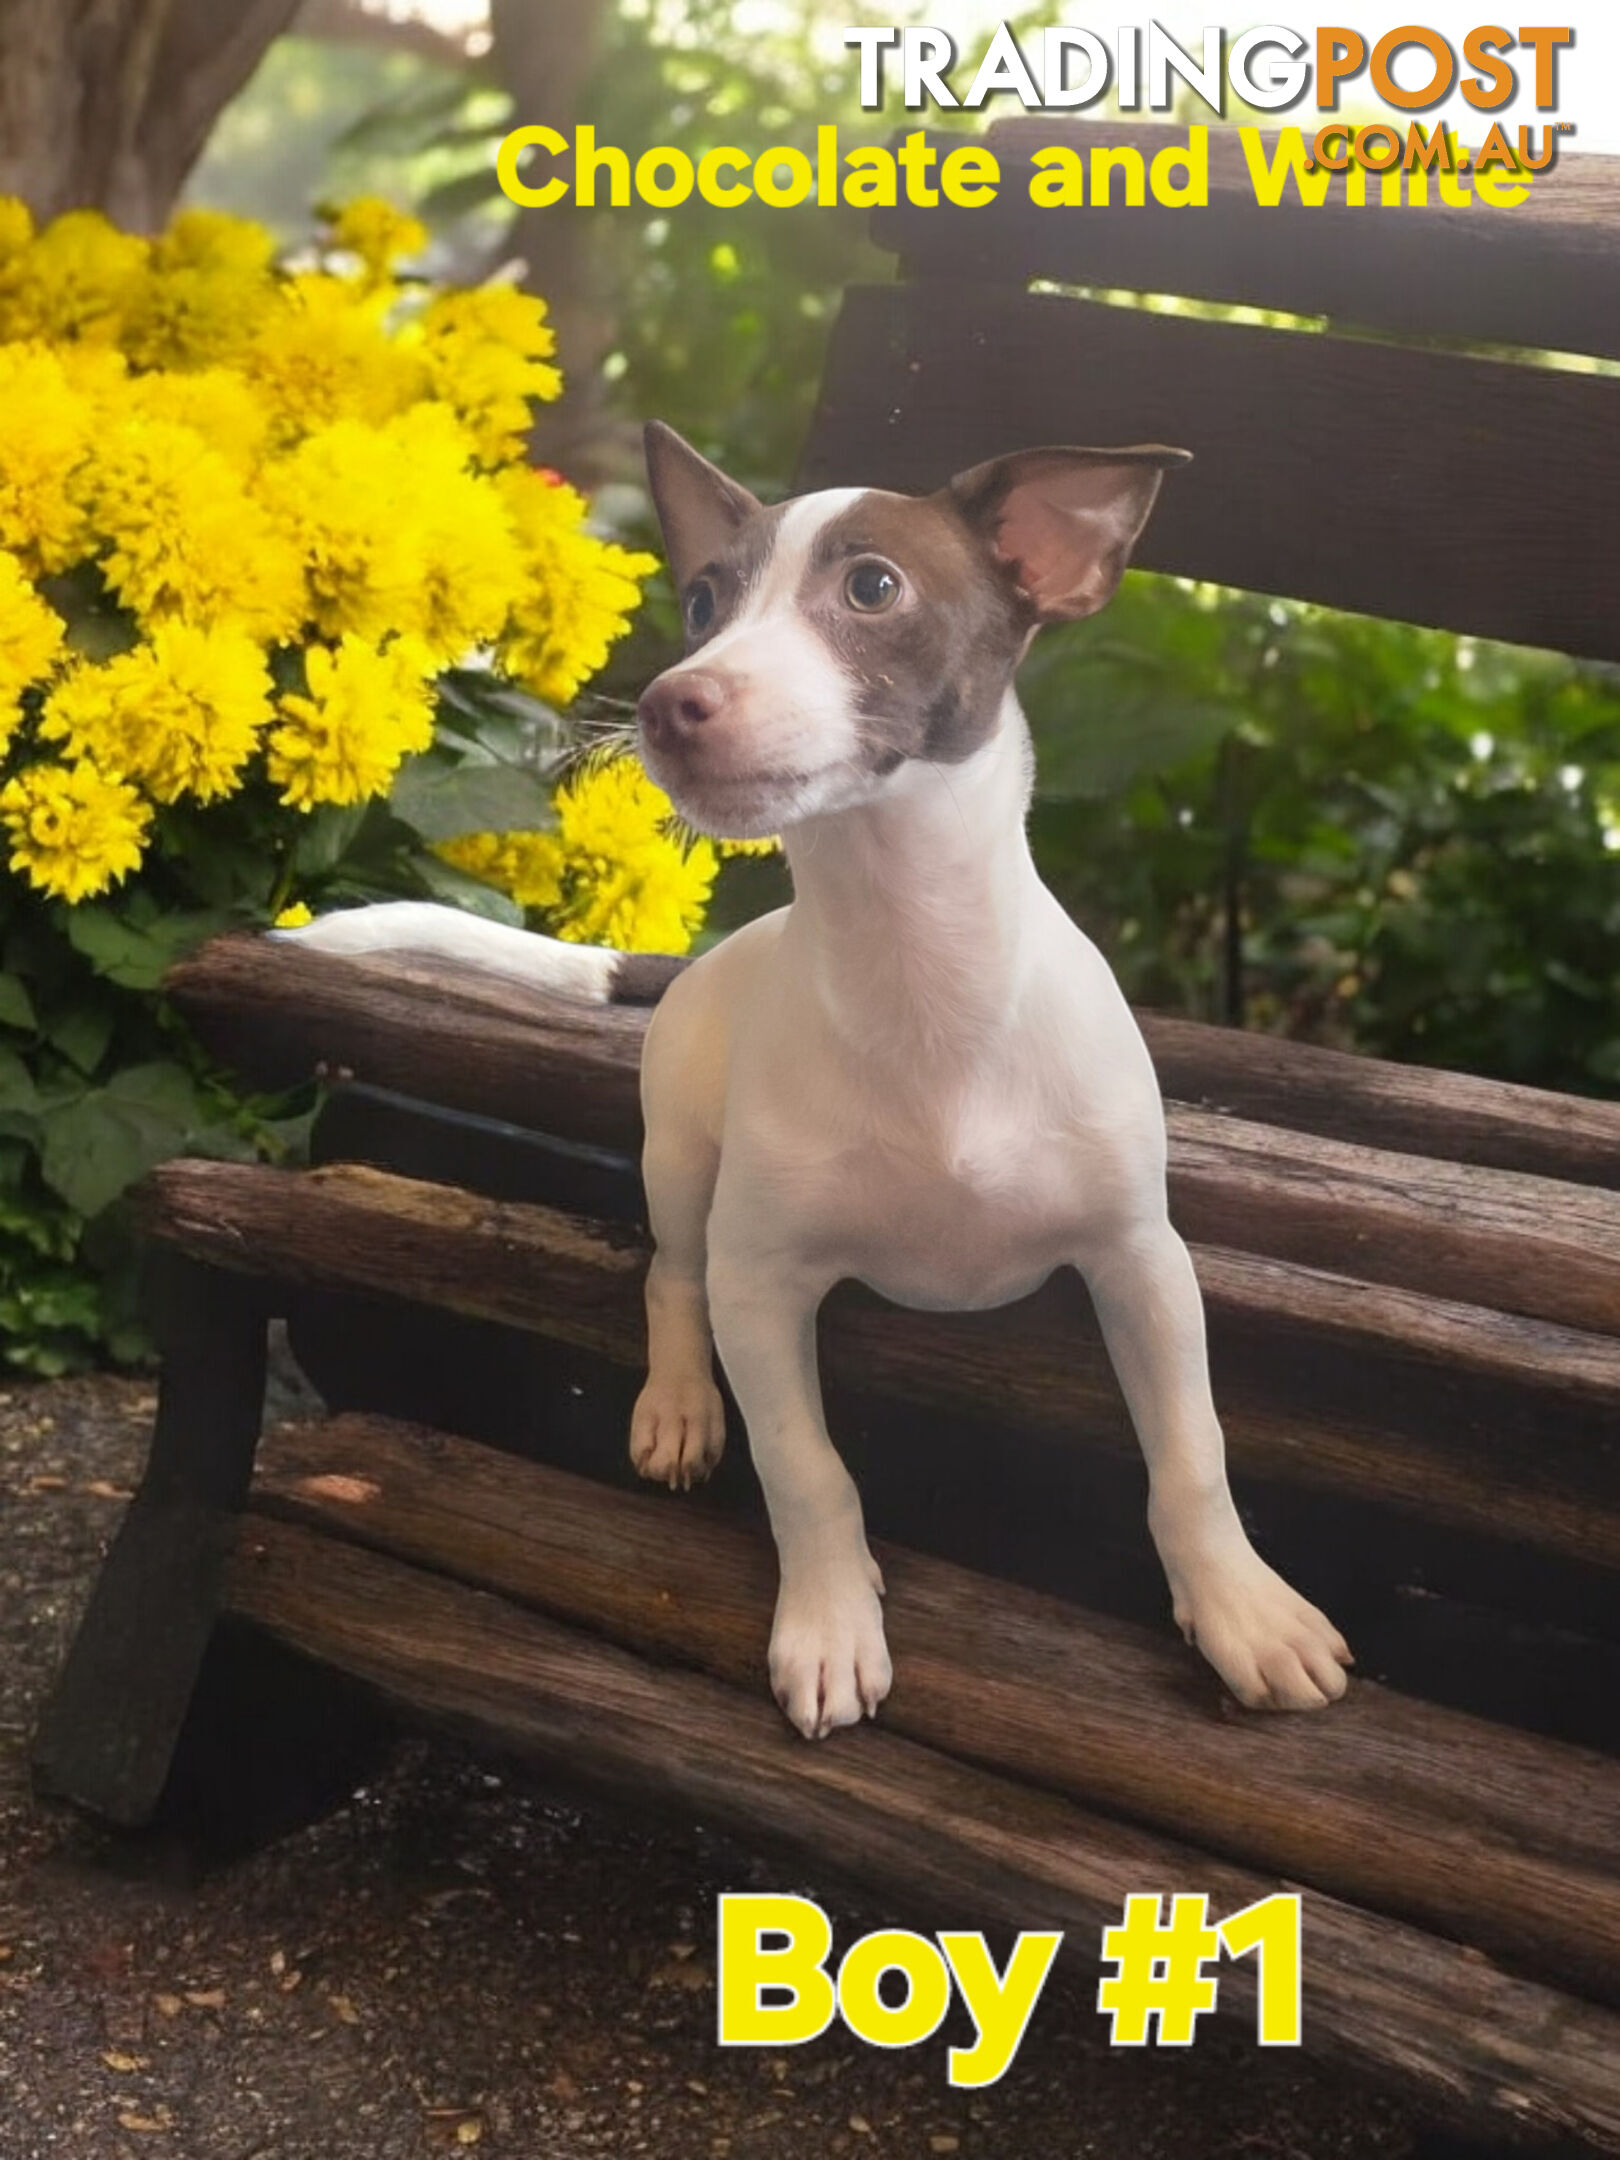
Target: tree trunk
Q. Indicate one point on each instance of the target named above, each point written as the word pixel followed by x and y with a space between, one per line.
pixel 544 53
pixel 107 104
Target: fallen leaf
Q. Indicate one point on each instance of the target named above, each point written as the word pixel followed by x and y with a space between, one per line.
pixel 206 1998
pixel 944 2143
pixel 162 2120
pixel 100 1489
pixel 860 2126
pixel 167 2005
pixel 349 1491
pixel 469 2130
pixel 343 2009
pixel 116 2059
pixel 46 1484
pixel 278 1962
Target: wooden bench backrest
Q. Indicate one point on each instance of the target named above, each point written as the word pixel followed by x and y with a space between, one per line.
pixel 1350 465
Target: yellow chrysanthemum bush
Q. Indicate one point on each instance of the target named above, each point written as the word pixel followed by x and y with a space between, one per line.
pixel 286 621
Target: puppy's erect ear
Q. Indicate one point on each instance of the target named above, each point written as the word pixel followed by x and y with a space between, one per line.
pixel 1066 520
pixel 698 507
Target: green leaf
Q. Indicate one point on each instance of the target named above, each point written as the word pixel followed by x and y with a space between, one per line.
pixel 495 719
pixel 16 1006
pixel 1104 739
pixel 412 119
pixel 134 953
pixel 82 1034
pixel 458 890
pixel 454 198
pixel 326 836
pixel 441 801
pixel 18 1093
pixel 98 1144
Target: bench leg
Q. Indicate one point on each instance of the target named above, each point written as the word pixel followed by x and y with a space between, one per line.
pixel 111 1726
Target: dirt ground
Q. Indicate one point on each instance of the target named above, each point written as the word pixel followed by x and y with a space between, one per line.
pixel 460 1960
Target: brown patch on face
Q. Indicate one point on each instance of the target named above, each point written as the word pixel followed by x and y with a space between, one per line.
pixel 929 672
pixel 731 576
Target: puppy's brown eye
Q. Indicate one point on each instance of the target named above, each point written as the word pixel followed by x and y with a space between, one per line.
pixel 700 606
pixel 870 587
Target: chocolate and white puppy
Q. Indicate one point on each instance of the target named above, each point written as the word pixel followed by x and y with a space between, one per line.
pixel 921 1073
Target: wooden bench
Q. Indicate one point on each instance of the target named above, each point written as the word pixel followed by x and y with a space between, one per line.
pixel 1413 1284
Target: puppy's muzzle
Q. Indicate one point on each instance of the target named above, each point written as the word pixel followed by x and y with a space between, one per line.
pixel 675 707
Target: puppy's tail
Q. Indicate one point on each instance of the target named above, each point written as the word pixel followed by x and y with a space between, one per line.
pixel 591 974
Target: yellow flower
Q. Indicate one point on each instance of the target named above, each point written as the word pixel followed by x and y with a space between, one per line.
pixel 44 434
pixel 378 233
pixel 613 873
pixel 399 534
pixel 322 352
pixel 334 498
pixel 73 831
pixel 185 537
pixel 182 715
pixel 216 241
pixel 528 865
pixel 16 226
pixel 78 279
pixel 470 570
pixel 366 711
pixel 631 884
pixel 488 354
pixel 580 594
pixel 295 917
pixel 30 642
pixel 217 403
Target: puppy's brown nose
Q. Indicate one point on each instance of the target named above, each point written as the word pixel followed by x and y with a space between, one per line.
pixel 676 705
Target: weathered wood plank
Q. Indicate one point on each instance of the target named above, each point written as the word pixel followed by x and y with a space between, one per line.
pixel 925 380
pixel 1408 1109
pixel 1478 2047
pixel 1489 1238
pixel 1437 1819
pixel 1484 1237
pixel 1542 274
pixel 109 1730
pixel 1543 1469
pixel 275 1012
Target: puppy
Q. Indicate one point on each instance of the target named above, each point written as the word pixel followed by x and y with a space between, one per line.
pixel 921 1073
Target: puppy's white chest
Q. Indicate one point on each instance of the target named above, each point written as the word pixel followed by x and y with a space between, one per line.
pixel 972 1211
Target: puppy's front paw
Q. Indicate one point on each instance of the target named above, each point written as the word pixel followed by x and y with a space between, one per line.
pixel 829 1660
pixel 1272 1647
pixel 678 1431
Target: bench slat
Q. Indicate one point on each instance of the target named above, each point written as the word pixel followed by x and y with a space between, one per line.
pixel 1534 1460
pixel 1319 460
pixel 1479 2047
pixel 1542 274
pixel 1484 1237
pixel 1502 1840
pixel 274 1012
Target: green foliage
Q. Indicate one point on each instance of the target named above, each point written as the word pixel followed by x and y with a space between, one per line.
pixel 1342 828
pixel 99 1081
